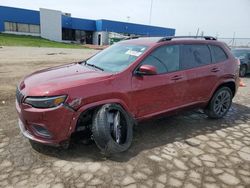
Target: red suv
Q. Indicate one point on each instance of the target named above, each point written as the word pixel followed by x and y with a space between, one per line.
pixel 130 81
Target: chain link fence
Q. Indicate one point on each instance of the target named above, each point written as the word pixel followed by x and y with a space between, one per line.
pixel 237 42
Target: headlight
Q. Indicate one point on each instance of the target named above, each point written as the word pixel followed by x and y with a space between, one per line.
pixel 45 102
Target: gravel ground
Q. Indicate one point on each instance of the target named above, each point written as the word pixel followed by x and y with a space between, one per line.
pixel 187 150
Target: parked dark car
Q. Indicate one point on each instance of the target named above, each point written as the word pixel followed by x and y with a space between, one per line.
pixel 131 81
pixel 243 54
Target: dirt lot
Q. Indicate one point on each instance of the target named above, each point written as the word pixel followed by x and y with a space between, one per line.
pixel 187 150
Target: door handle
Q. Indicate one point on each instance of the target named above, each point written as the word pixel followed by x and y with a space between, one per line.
pixel 177 77
pixel 215 69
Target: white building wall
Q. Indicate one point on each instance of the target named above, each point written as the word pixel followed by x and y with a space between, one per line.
pixel 104 38
pixel 51 24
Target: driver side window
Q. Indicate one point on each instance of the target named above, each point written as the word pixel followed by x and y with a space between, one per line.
pixel 154 61
pixel 164 58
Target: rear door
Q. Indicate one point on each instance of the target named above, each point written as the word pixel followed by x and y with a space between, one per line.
pixel 201 74
pixel 221 63
pixel 153 94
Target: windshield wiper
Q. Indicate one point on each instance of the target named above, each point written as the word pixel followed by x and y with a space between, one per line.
pixel 92 65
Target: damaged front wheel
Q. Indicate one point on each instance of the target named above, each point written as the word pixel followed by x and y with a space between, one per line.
pixel 112 129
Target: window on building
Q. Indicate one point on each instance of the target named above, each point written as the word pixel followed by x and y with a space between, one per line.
pixel 20 27
pixel 34 28
pixel 68 34
pixel 80 36
pixel 10 26
pixel 24 28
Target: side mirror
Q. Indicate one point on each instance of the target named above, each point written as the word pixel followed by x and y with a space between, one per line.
pixel 147 70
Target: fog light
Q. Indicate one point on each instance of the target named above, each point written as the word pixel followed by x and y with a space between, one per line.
pixel 41 131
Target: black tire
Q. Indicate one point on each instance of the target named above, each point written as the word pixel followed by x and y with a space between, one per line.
pixel 217 109
pixel 243 70
pixel 102 129
pixel 36 146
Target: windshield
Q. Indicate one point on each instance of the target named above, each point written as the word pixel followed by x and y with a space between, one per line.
pixel 241 54
pixel 117 57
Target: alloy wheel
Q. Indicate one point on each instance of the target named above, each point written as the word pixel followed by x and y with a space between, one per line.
pixel 222 103
pixel 117 126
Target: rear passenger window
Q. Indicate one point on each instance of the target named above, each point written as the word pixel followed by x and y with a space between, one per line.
pixel 195 56
pixel 218 54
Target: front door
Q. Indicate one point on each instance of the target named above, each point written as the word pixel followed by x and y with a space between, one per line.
pixel 154 94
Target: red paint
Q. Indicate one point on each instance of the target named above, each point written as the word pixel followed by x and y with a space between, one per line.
pixel 141 96
pixel 148 70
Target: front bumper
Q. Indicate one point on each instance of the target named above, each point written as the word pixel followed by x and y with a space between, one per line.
pixel 28 135
pixel 55 121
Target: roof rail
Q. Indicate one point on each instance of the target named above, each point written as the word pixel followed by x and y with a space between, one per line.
pixel 168 38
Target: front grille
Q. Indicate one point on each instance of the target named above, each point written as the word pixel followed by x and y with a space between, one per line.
pixel 19 96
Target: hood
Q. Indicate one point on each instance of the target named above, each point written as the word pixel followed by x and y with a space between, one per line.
pixel 54 80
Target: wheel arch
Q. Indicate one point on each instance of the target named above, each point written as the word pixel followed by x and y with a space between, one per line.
pixel 92 107
pixel 229 83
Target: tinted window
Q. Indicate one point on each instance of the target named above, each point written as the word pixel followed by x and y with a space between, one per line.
pixel 195 56
pixel 218 54
pixel 165 59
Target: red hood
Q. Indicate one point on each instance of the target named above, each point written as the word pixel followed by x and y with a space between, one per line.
pixel 54 81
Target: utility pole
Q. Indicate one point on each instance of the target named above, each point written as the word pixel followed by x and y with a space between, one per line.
pixel 197 33
pixel 150 12
pixel 233 39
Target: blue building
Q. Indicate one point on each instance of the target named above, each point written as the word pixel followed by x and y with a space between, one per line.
pixel 57 26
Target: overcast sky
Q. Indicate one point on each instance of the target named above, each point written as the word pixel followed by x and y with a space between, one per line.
pixel 215 17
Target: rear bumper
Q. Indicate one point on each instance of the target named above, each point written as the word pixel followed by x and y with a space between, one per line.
pixel 56 122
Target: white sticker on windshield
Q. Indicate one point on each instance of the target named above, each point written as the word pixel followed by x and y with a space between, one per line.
pixel 133 53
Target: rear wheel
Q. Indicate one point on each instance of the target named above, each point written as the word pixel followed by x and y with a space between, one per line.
pixel 220 103
pixel 112 129
pixel 243 70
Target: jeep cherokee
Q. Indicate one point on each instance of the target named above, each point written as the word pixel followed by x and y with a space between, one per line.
pixel 128 82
